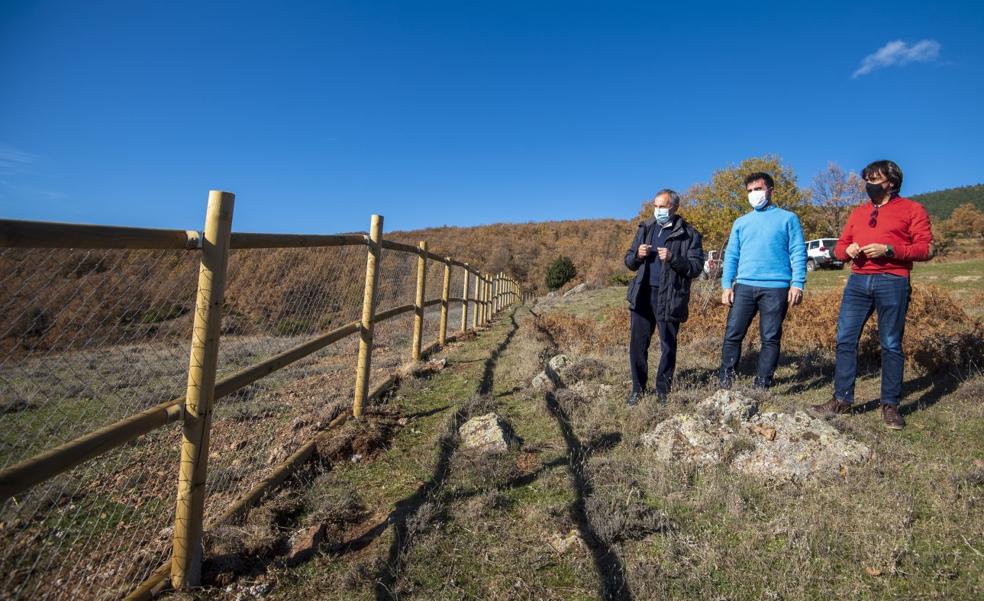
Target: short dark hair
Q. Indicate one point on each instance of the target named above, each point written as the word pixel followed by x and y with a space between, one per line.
pixel 754 177
pixel 889 169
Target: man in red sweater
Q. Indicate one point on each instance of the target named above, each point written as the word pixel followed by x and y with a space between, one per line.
pixel 881 239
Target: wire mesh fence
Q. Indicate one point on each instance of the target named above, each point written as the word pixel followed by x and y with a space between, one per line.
pixel 90 337
pixel 275 300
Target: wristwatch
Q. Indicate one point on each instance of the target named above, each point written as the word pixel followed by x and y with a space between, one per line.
pixel 888 251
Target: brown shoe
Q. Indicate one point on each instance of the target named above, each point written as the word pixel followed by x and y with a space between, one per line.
pixel 832 407
pixel 890 413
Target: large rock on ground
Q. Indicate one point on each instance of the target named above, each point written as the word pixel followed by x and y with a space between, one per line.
pixel 487 433
pixel 557 368
pixel 776 446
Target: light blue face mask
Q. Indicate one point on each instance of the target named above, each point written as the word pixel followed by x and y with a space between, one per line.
pixel 662 215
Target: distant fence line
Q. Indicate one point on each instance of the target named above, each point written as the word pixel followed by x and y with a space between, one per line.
pixel 482 296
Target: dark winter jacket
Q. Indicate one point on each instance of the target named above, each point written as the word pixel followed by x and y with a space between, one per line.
pixel 687 262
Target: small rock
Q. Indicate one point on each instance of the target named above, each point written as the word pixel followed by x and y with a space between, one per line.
pixel 487 433
pixel 299 423
pixel 562 543
pixel 541 382
pixel 304 543
pixel 577 289
pixel 403 421
pixel 277 455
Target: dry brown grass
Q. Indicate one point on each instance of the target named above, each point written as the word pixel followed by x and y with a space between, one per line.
pixel 939 334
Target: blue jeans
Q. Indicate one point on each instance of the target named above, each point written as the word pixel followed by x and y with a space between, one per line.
pixel 771 304
pixel 888 295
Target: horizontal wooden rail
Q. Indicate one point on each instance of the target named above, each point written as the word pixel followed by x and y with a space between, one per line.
pixel 390 313
pixel 20 477
pixel 43 234
pixel 437 258
pixel 46 465
pixel 407 248
pixel 432 302
pixel 248 375
pixel 245 240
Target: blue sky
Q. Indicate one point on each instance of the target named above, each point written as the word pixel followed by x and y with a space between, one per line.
pixel 317 114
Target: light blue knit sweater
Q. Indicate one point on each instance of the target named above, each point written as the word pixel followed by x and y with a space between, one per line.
pixel 765 249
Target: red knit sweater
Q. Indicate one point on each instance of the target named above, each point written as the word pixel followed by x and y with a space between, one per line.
pixel 902 223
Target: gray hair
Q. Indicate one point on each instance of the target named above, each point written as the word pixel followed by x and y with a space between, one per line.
pixel 674 197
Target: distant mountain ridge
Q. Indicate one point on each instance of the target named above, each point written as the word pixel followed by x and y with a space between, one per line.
pixel 942 202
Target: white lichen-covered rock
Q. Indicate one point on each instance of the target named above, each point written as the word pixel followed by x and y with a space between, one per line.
pixel 689 438
pixel 541 382
pixel 728 406
pixel 486 433
pixel 795 446
pixel 776 446
pixel 557 368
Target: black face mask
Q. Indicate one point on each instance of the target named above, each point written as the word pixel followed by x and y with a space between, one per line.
pixel 875 192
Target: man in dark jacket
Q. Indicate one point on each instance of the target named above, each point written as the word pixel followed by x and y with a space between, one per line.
pixel 666 254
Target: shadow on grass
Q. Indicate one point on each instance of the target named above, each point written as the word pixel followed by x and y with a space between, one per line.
pixel 611 572
pixel 406 509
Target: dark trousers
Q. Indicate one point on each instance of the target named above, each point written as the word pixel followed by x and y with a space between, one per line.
pixel 643 324
pixel 887 294
pixel 771 305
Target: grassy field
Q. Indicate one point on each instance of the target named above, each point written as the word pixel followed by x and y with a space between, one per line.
pixel 581 510
pixel 963 279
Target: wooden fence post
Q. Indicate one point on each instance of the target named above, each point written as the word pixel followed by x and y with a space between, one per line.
pixel 496 291
pixel 485 299
pixel 477 301
pixel 418 305
pixel 186 561
pixel 368 315
pixel 442 331
pixel 464 303
pixel 488 298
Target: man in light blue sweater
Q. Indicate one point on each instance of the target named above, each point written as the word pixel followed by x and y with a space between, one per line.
pixel 764 272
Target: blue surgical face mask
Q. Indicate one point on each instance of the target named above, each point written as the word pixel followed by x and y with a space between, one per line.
pixel 662 215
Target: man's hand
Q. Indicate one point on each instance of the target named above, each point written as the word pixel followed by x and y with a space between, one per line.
pixel 795 296
pixel 664 254
pixel 643 251
pixel 728 297
pixel 874 250
pixel 853 250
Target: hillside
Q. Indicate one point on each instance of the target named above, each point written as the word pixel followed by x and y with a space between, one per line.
pixel 526 249
pixel 942 202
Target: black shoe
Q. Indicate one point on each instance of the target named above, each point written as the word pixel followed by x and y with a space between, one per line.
pixel 634 399
pixel 661 397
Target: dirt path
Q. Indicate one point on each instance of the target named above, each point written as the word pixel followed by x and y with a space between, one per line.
pixel 424 519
